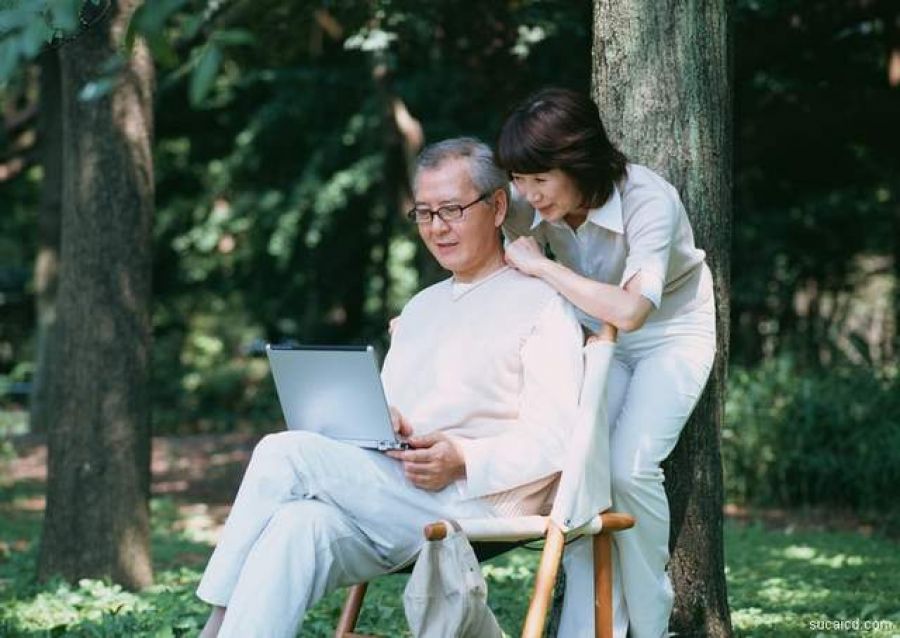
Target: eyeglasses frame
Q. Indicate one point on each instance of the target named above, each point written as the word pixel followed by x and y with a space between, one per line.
pixel 411 214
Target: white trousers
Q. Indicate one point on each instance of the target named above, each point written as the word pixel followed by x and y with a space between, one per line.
pixel 654 383
pixel 313 515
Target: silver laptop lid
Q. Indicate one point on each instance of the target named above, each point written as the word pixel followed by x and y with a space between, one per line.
pixel 335 391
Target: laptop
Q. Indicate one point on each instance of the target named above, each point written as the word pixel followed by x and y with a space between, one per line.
pixel 335 391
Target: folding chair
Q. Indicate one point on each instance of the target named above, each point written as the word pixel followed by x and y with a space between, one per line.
pixel 580 508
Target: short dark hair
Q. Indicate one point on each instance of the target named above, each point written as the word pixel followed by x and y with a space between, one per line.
pixel 561 128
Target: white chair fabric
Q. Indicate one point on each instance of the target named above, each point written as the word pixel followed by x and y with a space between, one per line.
pixel 584 487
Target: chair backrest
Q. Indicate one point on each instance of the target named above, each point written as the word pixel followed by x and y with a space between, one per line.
pixel 584 486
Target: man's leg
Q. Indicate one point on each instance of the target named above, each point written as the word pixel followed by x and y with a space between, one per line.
pixel 365 487
pixel 308 549
pixel 269 481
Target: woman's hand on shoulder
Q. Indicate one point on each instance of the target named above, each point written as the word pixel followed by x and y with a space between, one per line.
pixel 526 256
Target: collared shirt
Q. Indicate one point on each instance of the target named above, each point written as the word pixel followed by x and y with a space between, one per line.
pixel 642 228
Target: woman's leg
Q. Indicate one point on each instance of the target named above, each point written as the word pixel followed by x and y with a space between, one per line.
pixel 664 389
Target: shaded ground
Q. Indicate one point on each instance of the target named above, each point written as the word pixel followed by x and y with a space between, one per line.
pixel 202 473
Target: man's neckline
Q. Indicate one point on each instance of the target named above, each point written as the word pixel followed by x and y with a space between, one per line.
pixel 460 288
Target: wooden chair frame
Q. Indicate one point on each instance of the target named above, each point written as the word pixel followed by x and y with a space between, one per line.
pixel 545 578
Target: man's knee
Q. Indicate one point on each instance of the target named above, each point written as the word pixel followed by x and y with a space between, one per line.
pixel 306 518
pixel 270 446
pixel 281 444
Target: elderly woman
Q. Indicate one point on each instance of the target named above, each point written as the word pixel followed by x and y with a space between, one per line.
pixel 624 255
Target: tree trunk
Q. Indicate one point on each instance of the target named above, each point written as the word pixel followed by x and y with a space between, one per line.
pixel 662 80
pixel 97 519
pixel 46 268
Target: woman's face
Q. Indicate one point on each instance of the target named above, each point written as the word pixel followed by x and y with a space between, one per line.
pixel 553 194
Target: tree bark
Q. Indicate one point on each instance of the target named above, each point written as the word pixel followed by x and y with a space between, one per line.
pixel 46 268
pixel 662 79
pixel 97 520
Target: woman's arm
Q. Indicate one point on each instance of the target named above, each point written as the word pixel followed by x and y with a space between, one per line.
pixel 625 308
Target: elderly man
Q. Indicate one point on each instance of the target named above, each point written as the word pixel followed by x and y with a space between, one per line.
pixel 482 374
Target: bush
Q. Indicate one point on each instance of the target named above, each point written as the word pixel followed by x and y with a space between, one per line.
pixel 825 437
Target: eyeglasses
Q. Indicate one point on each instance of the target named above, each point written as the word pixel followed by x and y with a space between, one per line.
pixel 448 213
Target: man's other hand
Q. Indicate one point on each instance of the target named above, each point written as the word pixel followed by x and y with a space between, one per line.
pixel 434 462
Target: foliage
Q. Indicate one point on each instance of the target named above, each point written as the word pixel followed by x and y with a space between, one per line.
pixel 797 436
pixel 281 221
pixel 816 174
pixel 27 27
pixel 778 583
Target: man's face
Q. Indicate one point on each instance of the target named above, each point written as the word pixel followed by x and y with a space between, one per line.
pixel 467 246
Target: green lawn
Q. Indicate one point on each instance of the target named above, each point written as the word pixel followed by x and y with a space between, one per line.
pixel 780 584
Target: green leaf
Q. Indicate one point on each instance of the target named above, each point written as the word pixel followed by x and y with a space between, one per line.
pixel 36 34
pixel 233 37
pixel 9 56
pixel 192 25
pixel 96 89
pixel 14 19
pixel 205 73
pixel 162 50
pixel 151 17
pixel 64 15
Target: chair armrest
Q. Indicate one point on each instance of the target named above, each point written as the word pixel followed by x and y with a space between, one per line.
pixel 521 528
pixel 604 521
pixel 506 529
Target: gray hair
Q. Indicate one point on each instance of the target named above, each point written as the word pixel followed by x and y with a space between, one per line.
pixel 486 176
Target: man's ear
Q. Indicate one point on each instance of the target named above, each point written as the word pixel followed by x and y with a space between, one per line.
pixel 501 206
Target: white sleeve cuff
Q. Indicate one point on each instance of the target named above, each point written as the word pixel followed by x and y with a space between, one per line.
pixel 651 284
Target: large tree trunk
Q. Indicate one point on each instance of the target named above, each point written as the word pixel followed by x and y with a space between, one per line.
pixel 97 520
pixel 662 80
pixel 46 268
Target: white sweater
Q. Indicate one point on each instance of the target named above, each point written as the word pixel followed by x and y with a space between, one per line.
pixel 497 365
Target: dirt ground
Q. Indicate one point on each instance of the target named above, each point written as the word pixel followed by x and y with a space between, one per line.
pixel 201 474
pixel 197 472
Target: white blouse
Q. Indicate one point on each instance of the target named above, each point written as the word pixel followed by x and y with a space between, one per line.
pixel 642 228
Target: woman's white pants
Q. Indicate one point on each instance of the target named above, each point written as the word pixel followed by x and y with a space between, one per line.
pixel 654 383
pixel 313 515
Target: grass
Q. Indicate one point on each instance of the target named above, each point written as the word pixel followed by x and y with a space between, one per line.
pixel 791 584
pixel 780 584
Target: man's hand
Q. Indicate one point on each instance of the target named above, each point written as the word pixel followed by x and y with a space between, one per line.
pixel 434 462
pixel 402 428
pixel 525 255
